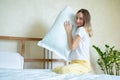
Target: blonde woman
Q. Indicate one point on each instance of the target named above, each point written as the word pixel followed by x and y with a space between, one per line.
pixel 79 44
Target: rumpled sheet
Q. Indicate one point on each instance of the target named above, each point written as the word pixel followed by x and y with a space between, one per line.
pixel 47 74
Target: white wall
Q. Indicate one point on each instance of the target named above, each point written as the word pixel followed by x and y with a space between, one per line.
pixel 34 18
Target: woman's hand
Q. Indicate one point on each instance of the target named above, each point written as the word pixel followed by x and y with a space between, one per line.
pixel 68 26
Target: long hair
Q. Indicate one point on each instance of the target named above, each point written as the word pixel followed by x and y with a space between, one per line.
pixel 87 21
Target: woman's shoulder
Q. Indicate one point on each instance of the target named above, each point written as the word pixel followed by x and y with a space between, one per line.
pixel 81 29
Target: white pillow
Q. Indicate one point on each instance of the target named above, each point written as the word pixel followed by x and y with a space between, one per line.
pixel 56 38
pixel 11 60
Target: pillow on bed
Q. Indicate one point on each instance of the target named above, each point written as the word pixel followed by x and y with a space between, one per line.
pixel 11 60
pixel 56 38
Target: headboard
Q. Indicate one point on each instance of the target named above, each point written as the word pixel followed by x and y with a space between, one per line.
pixel 46 52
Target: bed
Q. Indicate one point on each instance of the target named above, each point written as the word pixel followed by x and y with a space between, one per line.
pixel 16 71
pixel 47 74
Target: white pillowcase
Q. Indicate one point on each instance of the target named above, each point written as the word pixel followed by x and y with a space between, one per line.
pixel 56 39
pixel 11 60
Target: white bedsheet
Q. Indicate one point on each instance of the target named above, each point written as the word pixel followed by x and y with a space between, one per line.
pixel 40 74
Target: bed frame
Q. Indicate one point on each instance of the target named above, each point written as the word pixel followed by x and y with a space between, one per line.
pixel 47 53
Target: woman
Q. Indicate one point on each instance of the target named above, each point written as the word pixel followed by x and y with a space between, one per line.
pixel 79 44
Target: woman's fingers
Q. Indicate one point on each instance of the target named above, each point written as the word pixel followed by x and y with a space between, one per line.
pixel 68 26
pixel 66 23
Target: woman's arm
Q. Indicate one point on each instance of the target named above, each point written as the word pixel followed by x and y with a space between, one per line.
pixel 73 43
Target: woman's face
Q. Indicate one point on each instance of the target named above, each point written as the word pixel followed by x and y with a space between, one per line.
pixel 79 19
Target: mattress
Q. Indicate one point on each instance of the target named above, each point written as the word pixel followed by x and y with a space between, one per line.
pixel 47 74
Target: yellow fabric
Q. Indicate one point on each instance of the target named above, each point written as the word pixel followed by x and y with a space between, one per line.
pixel 75 67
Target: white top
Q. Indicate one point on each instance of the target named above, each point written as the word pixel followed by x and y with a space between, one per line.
pixel 82 51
